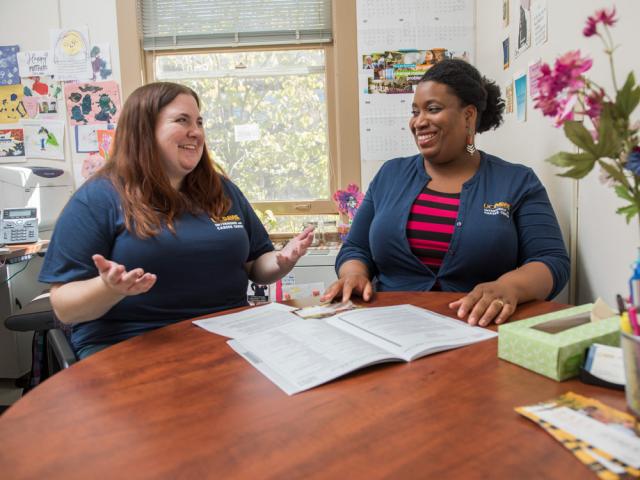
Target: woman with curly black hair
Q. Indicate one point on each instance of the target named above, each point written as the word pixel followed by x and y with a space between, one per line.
pixel 454 218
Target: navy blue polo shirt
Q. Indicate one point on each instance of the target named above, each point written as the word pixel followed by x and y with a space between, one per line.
pixel 200 268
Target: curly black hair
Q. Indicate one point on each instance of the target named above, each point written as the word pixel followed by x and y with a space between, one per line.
pixel 466 82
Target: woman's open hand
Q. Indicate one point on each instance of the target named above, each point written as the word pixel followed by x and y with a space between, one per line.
pixel 116 278
pixel 294 249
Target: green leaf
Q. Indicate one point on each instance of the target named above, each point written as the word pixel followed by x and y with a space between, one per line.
pixel 628 96
pixel 629 211
pixel 623 193
pixel 578 171
pixel 579 136
pixel 560 159
pixel 613 171
pixel 581 163
pixel 609 142
pixel 566 159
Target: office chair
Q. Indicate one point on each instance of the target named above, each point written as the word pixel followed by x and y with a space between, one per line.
pixel 51 349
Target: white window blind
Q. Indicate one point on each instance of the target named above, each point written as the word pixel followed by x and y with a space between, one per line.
pixel 176 24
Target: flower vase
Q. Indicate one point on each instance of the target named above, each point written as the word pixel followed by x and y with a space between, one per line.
pixel 343 230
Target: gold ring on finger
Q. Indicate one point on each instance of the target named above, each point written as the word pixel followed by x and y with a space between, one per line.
pixel 497 300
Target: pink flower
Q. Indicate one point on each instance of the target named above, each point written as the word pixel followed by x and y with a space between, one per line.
pixel 549 106
pixel 348 200
pixel 569 68
pixel 606 17
pixel 566 74
pixel 594 103
pixel 566 109
pixel 590 28
pixel 547 85
pixel 548 90
pixel 601 16
pixel 558 88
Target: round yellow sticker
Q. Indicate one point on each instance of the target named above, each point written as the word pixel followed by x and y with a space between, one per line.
pixel 72 43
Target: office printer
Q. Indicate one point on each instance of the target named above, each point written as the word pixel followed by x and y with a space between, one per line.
pixel 47 189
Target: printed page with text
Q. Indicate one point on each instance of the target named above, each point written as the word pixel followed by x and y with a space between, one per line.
pixel 301 355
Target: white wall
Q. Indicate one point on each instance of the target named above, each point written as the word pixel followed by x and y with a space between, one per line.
pixel 27 23
pixel 605 244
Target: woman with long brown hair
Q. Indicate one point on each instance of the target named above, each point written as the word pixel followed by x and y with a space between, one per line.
pixel 160 234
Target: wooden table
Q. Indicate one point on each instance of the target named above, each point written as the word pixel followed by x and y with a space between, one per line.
pixel 179 403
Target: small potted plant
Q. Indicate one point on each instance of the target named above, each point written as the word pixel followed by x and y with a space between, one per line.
pixel 347 201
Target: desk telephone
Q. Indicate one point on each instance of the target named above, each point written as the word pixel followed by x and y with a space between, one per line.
pixel 19 225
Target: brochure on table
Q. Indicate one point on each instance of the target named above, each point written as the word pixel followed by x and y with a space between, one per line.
pixel 298 354
pixel 603 438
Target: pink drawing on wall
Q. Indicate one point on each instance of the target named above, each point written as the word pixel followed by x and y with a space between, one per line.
pixel 92 102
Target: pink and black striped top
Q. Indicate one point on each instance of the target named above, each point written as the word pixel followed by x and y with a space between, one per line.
pixel 430 226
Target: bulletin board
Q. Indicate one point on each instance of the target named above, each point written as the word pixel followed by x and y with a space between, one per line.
pixel 72 71
pixel 398 40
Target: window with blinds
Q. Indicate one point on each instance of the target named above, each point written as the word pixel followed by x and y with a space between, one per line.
pixel 188 24
pixel 264 101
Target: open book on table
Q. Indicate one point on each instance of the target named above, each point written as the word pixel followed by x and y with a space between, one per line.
pixel 303 354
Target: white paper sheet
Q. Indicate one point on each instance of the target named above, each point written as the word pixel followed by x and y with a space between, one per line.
pixel 539 20
pixel 407 330
pixel 306 354
pixel 249 322
pixel 303 354
pixel 34 63
pixel 43 139
pixel 70 54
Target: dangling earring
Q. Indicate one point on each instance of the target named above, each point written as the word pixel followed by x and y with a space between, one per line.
pixel 470 147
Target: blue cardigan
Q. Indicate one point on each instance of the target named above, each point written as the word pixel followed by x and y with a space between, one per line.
pixel 504 221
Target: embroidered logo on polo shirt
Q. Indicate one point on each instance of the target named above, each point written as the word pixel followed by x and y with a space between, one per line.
pixel 498 208
pixel 227 222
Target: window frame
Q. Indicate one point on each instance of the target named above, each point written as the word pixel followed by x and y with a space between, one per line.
pixel 342 102
pixel 280 207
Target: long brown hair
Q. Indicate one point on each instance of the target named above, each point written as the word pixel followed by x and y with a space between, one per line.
pixel 135 169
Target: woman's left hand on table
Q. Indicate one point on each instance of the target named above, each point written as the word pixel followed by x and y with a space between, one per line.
pixel 487 302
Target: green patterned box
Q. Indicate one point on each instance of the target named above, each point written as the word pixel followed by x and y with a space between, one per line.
pixel 558 355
